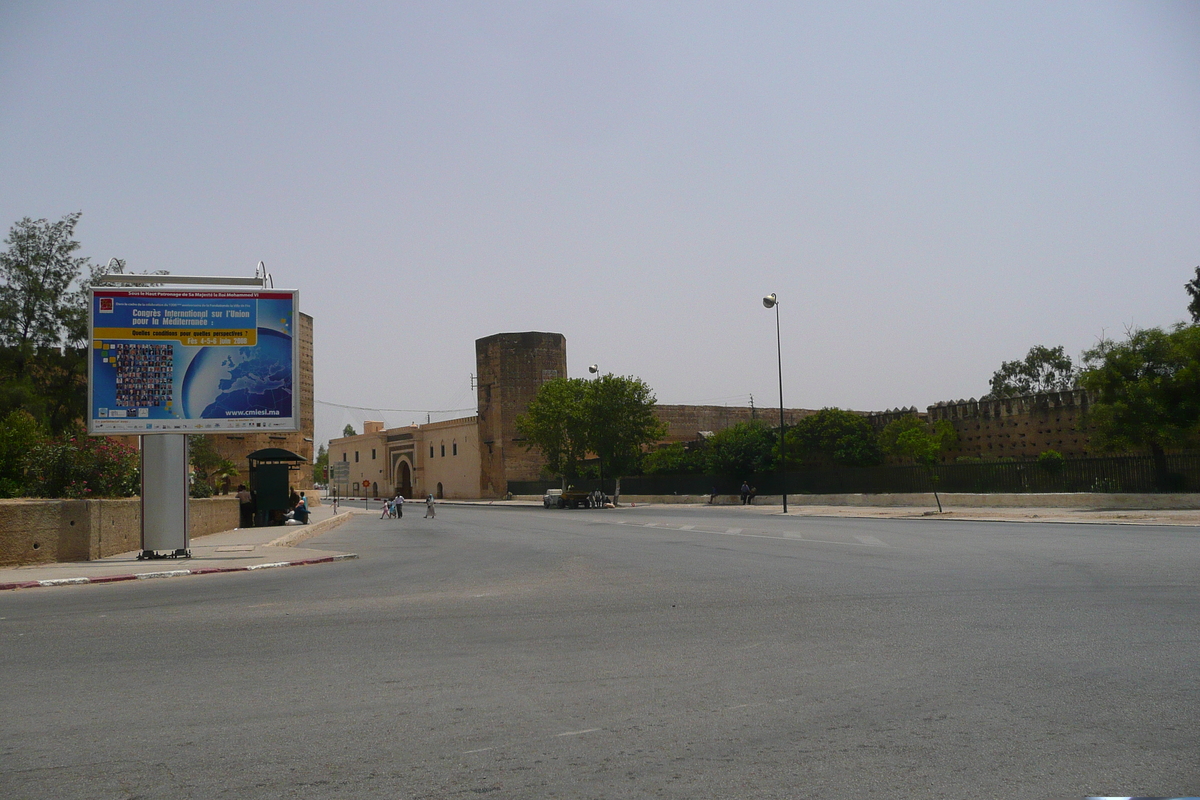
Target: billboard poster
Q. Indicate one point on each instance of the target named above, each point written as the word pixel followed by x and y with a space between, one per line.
pixel 193 361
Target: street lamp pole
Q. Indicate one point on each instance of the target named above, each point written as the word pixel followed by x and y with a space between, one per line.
pixel 771 301
pixel 595 370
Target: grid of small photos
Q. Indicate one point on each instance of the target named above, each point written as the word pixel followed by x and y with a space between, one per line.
pixel 144 373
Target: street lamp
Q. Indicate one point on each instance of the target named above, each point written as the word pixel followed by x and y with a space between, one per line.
pixel 595 370
pixel 771 301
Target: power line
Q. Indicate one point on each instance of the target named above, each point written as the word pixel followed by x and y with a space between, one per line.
pixel 397 410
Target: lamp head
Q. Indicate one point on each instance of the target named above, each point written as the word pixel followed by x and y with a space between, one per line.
pixel 770 301
pixel 593 369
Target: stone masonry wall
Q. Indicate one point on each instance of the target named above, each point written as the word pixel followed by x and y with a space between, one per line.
pixel 684 423
pixel 1017 427
pixel 49 531
pixel 511 367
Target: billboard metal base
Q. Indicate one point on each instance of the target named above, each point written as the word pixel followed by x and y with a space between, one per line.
pixel 146 555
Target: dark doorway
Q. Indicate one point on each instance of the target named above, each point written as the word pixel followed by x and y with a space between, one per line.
pixel 404 478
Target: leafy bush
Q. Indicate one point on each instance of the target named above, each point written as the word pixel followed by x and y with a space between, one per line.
pixel 1052 461
pixel 910 437
pixel 742 450
pixel 834 436
pixel 80 467
pixel 19 432
pixel 674 459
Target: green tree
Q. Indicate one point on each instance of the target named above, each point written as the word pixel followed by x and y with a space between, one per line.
pixel 912 438
pixel 742 450
pixel 43 366
pixel 1044 369
pixel 619 424
pixel 834 436
pixel 321 465
pixel 36 274
pixel 223 474
pixel 555 423
pixel 349 431
pixel 19 433
pixel 205 462
pixel 1146 393
pixel 673 459
pixel 1193 289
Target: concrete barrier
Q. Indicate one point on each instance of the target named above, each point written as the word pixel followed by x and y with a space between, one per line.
pixel 49 531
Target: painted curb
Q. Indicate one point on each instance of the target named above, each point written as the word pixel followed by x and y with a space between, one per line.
pixel 175 573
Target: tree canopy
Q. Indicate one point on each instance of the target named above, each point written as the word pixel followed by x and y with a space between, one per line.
pixel 620 419
pixel 1044 369
pixel 834 436
pixel 742 450
pixel 43 322
pixel 555 424
pixel 673 459
pixel 912 437
pixel 1193 289
pixel 1146 391
pixel 321 465
pixel 36 275
pixel 610 417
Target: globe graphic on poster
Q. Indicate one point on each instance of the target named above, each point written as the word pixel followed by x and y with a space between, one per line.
pixel 241 382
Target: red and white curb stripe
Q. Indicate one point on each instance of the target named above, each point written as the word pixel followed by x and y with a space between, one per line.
pixel 174 573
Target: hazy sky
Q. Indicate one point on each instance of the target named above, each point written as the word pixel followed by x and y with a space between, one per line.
pixel 931 189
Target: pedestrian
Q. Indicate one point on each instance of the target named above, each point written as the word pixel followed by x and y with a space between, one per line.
pixel 246 504
pixel 398 506
pixel 300 512
pixel 745 492
pixel 753 494
pixel 430 513
pixel 387 509
pixel 712 497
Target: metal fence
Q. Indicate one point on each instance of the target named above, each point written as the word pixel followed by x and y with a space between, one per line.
pixel 1134 474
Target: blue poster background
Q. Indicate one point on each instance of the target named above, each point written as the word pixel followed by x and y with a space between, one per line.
pixel 145 378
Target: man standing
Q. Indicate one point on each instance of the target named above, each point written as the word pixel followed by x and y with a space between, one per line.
pixel 745 492
pixel 246 501
pixel 398 505
pixel 430 513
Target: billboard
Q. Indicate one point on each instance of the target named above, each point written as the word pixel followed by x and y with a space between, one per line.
pixel 194 361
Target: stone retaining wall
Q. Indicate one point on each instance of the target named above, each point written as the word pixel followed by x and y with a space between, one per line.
pixel 49 531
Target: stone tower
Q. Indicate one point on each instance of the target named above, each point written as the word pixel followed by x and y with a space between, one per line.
pixel 511 367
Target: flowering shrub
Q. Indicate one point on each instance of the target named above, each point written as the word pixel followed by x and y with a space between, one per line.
pixel 79 466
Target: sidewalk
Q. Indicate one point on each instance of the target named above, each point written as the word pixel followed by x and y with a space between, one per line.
pixel 1105 516
pixel 231 551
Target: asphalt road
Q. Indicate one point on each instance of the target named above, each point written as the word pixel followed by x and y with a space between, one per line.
pixel 657 652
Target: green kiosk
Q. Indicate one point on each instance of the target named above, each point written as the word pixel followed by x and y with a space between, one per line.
pixel 269 483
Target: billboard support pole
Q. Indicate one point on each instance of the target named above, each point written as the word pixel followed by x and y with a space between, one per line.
pixel 166 523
